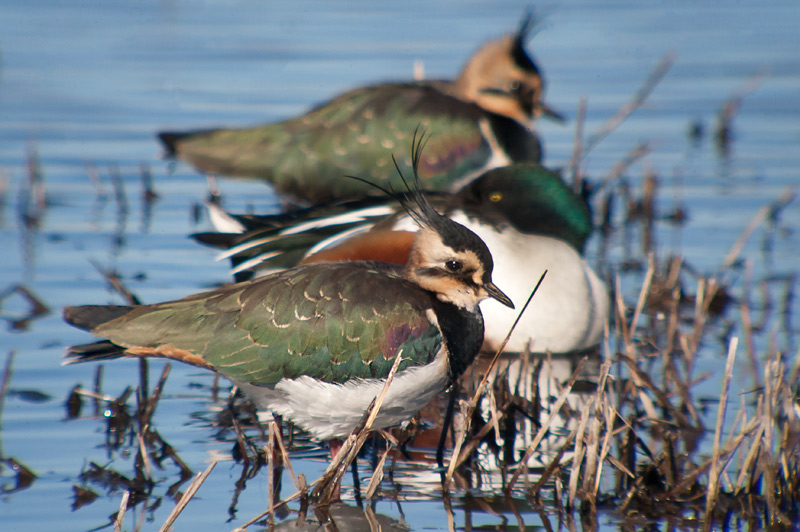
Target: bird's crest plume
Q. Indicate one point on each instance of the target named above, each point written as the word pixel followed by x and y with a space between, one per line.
pixel 526 26
pixel 412 199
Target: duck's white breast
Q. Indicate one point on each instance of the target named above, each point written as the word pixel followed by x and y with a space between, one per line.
pixel 571 307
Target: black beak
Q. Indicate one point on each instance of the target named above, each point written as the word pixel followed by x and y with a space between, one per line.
pixel 495 293
pixel 550 113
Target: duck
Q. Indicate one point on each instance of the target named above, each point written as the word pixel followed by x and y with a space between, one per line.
pixel 529 218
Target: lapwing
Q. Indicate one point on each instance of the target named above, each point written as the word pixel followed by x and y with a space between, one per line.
pixel 315 343
pixel 481 120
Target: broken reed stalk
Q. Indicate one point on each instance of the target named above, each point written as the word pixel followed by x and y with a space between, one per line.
pixel 333 474
pixel 116 283
pixel 118 184
pixel 4 186
pixel 577 145
pixel 36 181
pixel 672 284
pixel 94 395
pixel 152 402
pixel 714 474
pixel 143 452
pixel 285 458
pixel 643 293
pixel 187 496
pixel 630 348
pixel 554 465
pixel 325 485
pixel 96 180
pixel 372 518
pixel 724 129
pixel 577 457
pixel 747 325
pixel 554 409
pixel 690 477
pixel 296 495
pixel 148 190
pixel 147 407
pixel 123 508
pixel 747 469
pixel 783 199
pixel 510 505
pixel 270 450
pixel 448 508
pixel 644 382
pixel 602 410
pixel 771 385
pixel 639 151
pixel 7 370
pixel 98 390
pixel 377 476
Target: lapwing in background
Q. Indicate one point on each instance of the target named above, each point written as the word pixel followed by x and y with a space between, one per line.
pixel 481 120
pixel 315 343
pixel 528 217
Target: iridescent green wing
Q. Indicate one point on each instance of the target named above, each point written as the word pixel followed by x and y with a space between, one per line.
pixel 330 322
pixel 354 134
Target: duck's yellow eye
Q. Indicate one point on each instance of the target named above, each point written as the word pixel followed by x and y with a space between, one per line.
pixel 495 197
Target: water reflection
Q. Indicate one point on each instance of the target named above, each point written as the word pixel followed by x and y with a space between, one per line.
pixel 149 196
pixel 21 320
pixel 31 208
pixel 15 475
pixel 100 97
pixel 131 441
pixel 338 516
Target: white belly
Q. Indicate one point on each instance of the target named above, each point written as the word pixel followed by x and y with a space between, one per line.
pixel 571 307
pixel 328 411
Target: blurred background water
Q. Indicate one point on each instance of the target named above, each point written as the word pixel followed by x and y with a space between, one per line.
pixel 85 86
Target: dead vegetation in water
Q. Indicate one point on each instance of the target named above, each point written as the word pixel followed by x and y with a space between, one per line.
pixel 629 431
pixel 129 432
pixel 15 475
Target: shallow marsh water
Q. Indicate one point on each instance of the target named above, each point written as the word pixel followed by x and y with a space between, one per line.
pixel 84 88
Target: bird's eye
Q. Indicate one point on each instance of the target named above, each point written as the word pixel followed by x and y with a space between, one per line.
pixel 514 85
pixel 453 265
pixel 495 197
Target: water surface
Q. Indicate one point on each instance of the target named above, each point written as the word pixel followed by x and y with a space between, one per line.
pixel 83 89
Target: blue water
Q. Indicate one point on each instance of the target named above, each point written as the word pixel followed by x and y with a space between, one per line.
pixel 87 85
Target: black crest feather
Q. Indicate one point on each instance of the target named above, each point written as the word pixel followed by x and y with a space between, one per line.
pixel 518 53
pixel 412 198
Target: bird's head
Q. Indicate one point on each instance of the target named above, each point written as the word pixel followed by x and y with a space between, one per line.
pixel 452 262
pixel 447 258
pixel 502 78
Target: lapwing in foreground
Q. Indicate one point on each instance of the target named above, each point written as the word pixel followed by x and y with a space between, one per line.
pixel 528 217
pixel 315 343
pixel 483 119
